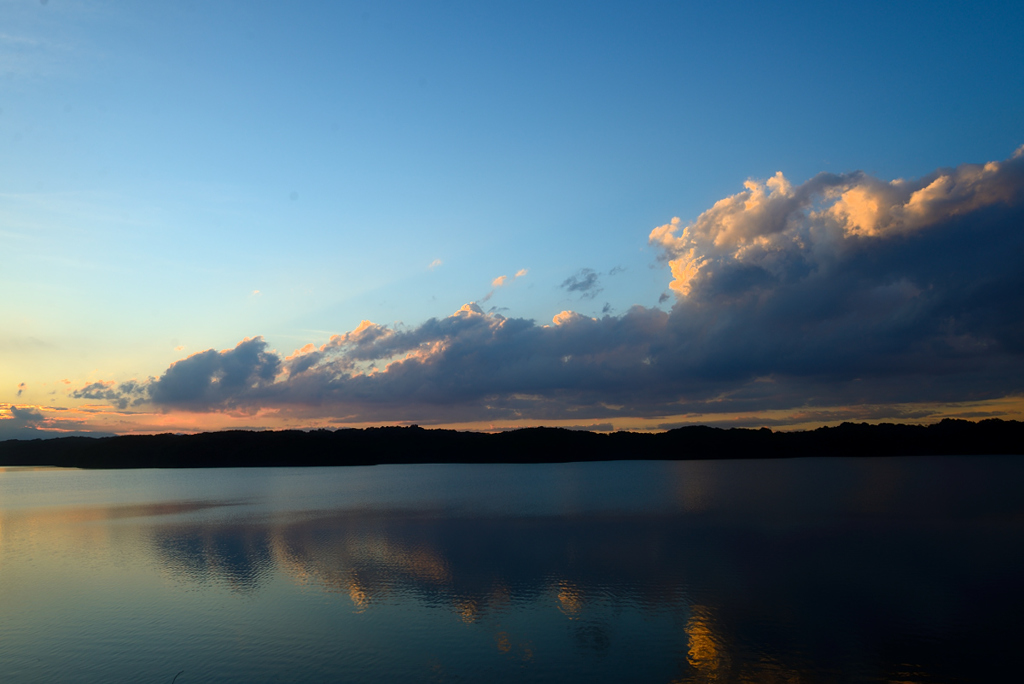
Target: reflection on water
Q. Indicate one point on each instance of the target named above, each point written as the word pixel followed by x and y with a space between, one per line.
pixel 887 570
pixel 703 655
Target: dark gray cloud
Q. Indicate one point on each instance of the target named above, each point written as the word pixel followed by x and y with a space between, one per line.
pixel 206 379
pixel 123 395
pixel 586 282
pixel 26 415
pixel 844 291
pixel 25 422
pixel 212 377
pixel 595 427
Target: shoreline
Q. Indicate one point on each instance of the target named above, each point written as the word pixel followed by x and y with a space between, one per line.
pixel 404 445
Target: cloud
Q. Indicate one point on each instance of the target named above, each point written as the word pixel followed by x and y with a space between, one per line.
pixel 585 282
pixel 200 380
pixel 845 290
pixel 593 427
pixel 501 281
pixel 21 388
pixel 775 229
pixel 212 377
pixel 434 264
pixel 26 422
pixel 26 415
pixel 123 395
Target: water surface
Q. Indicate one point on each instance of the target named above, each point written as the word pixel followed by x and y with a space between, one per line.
pixel 802 570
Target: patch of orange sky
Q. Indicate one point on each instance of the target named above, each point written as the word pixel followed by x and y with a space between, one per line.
pixel 102 418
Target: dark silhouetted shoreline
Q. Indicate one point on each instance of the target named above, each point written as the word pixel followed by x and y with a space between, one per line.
pixel 372 446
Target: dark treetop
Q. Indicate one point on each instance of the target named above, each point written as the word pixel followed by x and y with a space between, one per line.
pixel 531 445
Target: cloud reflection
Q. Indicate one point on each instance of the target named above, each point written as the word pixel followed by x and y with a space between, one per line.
pixel 710 588
pixel 782 571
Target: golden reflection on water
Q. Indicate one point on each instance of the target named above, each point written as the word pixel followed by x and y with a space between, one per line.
pixel 712 659
pixel 360 599
pixel 570 599
pixel 704 653
pixel 467 610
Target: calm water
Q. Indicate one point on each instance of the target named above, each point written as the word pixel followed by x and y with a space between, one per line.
pixel 888 570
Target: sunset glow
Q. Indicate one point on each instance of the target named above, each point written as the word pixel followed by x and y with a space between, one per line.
pixel 507 218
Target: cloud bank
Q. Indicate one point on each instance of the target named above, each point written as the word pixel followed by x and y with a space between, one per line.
pixel 843 290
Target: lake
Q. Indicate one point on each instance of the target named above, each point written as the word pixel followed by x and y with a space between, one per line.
pixel 797 570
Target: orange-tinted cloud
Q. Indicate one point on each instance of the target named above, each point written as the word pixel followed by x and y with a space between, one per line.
pixel 770 221
pixel 502 281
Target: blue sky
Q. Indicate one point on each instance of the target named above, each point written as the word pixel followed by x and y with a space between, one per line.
pixel 178 177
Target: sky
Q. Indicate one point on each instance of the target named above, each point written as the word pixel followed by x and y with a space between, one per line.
pixel 489 215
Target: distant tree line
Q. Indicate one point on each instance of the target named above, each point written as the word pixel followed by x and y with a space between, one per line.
pixel 414 444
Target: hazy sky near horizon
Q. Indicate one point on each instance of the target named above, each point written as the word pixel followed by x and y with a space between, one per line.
pixel 277 214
